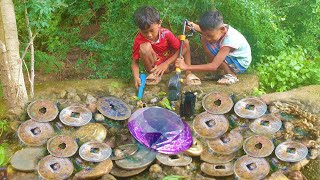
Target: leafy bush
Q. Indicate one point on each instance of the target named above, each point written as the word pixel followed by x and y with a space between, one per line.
pixel 289 70
pixel 4 158
pixel 44 62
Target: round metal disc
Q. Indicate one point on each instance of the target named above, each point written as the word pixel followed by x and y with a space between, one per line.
pixel 75 116
pixel 291 151
pixel 123 151
pixel 34 133
pixel 227 143
pixel 250 108
pixel 266 125
pixel 142 158
pixel 95 151
pixel 91 132
pixel 119 172
pixel 42 110
pixel 62 146
pixel 196 148
pixel 113 108
pixel 247 167
pixel 51 167
pixel 219 170
pixel 211 157
pixel 210 126
pixel 258 146
pixel 217 103
pixel 174 160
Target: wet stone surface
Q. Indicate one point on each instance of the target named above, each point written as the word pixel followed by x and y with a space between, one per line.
pixel 27 159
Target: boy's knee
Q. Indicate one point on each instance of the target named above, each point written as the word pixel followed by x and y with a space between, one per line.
pixel 145 48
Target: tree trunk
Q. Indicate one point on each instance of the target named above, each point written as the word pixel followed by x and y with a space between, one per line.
pixel 11 75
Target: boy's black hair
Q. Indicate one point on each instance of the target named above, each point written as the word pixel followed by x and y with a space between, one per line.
pixel 210 20
pixel 145 16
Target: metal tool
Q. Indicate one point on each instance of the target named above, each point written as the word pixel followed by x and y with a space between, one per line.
pixel 175 81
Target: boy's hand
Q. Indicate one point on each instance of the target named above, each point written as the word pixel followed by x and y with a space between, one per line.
pixel 159 70
pixel 194 25
pixel 181 64
pixel 137 82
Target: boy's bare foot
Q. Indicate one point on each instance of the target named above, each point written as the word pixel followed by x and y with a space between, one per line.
pixel 193 80
pixel 152 79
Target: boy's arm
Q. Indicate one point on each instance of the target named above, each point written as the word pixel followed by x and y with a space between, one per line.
pixel 213 66
pixel 135 72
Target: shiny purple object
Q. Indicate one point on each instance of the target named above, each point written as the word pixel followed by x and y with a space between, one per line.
pixel 160 129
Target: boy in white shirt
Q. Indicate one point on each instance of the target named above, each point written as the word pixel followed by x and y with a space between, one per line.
pixel 227 48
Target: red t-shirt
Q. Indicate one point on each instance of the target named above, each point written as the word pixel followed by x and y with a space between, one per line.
pixel 167 45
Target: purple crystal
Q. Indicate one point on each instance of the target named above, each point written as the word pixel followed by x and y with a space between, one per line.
pixel 160 129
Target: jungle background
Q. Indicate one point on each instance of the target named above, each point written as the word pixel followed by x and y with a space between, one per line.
pixel 88 39
pixel 93 39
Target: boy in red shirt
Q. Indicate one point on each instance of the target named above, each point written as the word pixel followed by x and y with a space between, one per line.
pixel 157 47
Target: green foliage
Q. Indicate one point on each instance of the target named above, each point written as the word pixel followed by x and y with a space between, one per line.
pixel 289 70
pixel 258 21
pixel 4 126
pixel 45 62
pixel 174 177
pixel 3 154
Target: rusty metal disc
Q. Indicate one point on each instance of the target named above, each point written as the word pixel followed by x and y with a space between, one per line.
pixel 209 125
pixel 62 146
pixel 196 149
pixel 219 170
pixel 34 133
pixel 42 110
pixel 95 151
pixel 227 143
pixel 113 108
pixel 266 125
pixel 247 167
pixel 174 160
pixel 211 157
pixel 250 108
pixel 119 172
pixel 291 151
pixel 258 146
pixel 123 151
pixel 75 116
pixel 217 103
pixel 51 167
pixel 142 158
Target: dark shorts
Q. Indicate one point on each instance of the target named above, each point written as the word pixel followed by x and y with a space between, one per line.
pixel 232 62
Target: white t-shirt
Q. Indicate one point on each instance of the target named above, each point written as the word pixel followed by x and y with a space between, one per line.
pixel 236 40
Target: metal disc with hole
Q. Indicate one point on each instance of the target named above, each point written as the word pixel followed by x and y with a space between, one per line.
pixel 258 146
pixel 42 110
pixel 211 157
pixel 219 170
pixel 227 143
pixel 62 146
pixel 247 167
pixel 119 172
pixel 95 151
pixel 123 151
pixel 113 108
pixel 266 125
pixel 196 148
pixel 291 151
pixel 210 126
pixel 174 160
pixel 217 103
pixel 34 133
pixel 75 116
pixel 51 167
pixel 250 108
pixel 142 158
